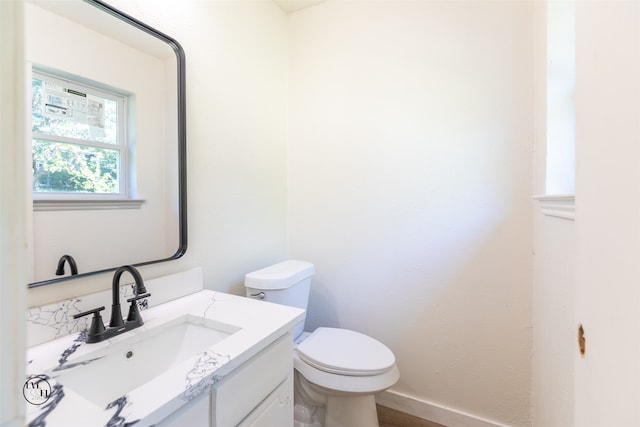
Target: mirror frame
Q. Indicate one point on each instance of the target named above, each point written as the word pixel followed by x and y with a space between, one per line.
pixel 182 141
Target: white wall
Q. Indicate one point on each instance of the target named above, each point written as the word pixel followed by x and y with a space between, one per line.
pixel 236 67
pixel 409 187
pixel 13 214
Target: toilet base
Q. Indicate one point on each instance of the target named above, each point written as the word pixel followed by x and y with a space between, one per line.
pixel 318 407
pixel 351 411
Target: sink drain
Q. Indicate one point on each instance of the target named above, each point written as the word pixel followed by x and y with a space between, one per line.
pixel 129 354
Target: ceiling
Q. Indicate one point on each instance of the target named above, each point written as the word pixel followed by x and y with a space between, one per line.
pixel 290 6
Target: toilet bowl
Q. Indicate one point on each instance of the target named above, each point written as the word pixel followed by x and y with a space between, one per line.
pixel 337 371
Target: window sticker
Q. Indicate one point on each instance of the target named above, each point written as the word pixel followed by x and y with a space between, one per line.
pixel 67 104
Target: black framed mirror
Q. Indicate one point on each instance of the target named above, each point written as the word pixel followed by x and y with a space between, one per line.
pixel 95 44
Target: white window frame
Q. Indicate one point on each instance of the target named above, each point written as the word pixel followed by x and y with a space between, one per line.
pixel 74 201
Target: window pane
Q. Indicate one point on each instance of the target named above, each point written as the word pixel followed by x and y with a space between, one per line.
pixel 71 168
pixel 61 111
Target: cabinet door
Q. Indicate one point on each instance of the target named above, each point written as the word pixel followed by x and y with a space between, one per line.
pixel 275 410
pixel 238 394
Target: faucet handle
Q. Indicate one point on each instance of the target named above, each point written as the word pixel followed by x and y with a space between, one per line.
pixel 95 312
pixel 134 312
pixel 97 327
pixel 137 297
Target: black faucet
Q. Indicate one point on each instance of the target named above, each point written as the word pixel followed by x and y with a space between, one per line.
pixel 72 265
pixel 117 325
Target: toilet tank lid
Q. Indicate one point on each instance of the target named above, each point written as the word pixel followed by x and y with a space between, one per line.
pixel 279 276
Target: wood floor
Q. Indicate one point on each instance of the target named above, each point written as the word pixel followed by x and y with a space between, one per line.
pixel 388 417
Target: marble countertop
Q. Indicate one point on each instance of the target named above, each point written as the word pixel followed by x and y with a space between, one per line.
pixel 252 325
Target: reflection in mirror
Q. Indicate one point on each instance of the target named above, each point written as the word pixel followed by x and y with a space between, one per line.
pixel 109 179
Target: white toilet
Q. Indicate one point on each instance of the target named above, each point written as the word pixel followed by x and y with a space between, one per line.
pixel 338 371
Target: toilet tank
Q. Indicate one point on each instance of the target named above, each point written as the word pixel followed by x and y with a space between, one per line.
pixel 286 283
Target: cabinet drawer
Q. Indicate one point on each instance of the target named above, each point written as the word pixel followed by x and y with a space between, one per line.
pixel 243 390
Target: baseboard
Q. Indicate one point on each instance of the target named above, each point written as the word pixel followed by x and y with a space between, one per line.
pixel 430 411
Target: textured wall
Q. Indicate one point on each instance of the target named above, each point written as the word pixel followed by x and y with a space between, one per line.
pixel 409 171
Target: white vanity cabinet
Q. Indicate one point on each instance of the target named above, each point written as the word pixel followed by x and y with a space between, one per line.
pixel 259 393
pixel 237 350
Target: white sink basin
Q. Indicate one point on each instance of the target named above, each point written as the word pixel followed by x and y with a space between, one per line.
pixel 127 365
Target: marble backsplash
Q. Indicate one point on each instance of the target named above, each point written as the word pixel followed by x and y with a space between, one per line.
pixel 51 321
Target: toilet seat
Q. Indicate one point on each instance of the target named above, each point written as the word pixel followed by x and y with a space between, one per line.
pixel 345 352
